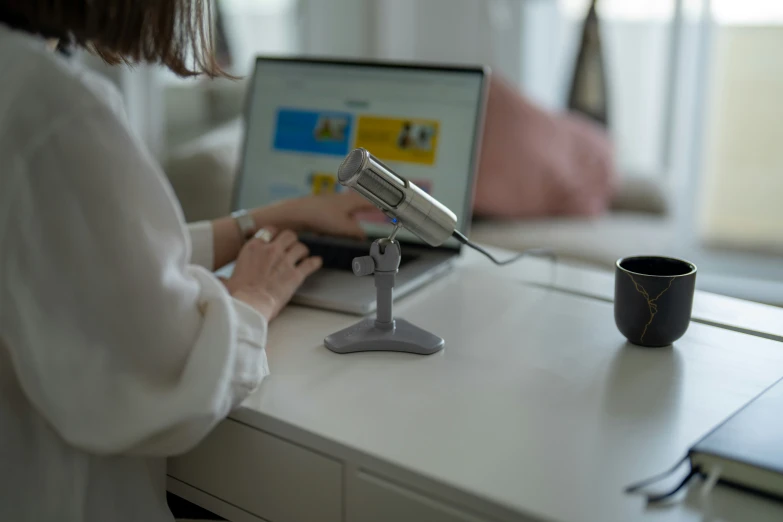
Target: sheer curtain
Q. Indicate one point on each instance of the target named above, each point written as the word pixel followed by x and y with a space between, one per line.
pixel 533 43
pixel 444 31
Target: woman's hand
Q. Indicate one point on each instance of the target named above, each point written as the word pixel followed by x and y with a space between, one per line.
pixel 266 275
pixel 333 214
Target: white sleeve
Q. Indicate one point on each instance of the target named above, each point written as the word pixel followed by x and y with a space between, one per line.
pixel 203 244
pixel 121 344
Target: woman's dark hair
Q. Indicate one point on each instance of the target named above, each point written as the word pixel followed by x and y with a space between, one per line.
pixel 174 33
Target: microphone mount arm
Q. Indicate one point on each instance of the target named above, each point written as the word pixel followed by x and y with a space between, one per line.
pixel 384 263
pixel 384 332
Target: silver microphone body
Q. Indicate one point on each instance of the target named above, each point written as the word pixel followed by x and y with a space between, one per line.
pixel 397 197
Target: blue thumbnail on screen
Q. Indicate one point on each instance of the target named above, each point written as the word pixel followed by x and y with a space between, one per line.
pixel 317 132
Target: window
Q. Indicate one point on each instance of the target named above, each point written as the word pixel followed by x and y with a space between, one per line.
pixel 742 178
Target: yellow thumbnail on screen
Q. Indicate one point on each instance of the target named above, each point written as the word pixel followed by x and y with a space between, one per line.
pixel 395 139
pixel 323 183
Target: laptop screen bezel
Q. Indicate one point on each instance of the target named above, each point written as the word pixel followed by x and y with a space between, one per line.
pixel 482 71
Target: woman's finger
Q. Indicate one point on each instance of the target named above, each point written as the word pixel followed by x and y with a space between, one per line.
pixel 285 239
pixel 266 232
pixel 309 266
pixel 296 253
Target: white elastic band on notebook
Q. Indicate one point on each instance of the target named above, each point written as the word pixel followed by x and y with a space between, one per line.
pixel 712 479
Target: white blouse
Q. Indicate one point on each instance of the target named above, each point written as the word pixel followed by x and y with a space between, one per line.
pixel 118 345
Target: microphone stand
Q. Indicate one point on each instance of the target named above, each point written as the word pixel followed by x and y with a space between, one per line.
pixel 383 333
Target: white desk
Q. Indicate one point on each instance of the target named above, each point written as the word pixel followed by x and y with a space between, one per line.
pixel 535 410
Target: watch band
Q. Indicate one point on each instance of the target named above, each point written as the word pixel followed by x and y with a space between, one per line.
pixel 245 222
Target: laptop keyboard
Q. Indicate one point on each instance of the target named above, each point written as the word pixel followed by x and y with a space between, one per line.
pixel 340 257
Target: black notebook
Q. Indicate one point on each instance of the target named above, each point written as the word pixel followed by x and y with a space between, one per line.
pixel 746 450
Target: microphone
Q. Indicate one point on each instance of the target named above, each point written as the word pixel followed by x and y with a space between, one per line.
pixel 397 197
pixel 413 208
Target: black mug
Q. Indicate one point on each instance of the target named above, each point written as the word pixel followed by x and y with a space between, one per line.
pixel 653 299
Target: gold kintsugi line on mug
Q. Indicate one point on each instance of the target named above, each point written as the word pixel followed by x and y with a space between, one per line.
pixel 652 304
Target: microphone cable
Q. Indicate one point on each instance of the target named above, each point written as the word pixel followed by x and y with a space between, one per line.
pixel 530 252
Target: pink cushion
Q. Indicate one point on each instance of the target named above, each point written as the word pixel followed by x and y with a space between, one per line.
pixel 535 163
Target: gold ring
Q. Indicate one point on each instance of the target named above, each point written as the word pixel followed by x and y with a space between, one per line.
pixel 264 235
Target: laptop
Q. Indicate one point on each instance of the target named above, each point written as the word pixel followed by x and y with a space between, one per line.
pixel 303 116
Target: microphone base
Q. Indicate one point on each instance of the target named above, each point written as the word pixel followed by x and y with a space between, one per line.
pixel 366 336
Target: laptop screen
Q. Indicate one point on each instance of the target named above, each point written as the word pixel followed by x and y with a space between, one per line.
pixel 304 117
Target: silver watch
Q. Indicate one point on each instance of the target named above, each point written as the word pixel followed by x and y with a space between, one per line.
pixel 245 222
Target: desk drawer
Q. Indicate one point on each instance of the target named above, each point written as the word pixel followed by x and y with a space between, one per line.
pixel 372 498
pixel 264 475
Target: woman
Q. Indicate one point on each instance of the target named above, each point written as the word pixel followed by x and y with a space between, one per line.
pixel 118 345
